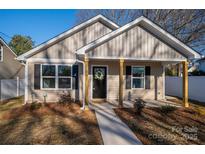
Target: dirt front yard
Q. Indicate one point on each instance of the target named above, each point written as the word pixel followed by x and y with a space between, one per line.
pixel 164 125
pixel 47 124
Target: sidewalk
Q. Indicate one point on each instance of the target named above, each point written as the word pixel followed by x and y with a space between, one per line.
pixel 113 130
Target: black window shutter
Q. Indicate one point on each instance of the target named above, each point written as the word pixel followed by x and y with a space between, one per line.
pixel 75 77
pixel 37 76
pixel 147 77
pixel 128 77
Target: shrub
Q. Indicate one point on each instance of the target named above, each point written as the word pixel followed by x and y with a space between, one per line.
pixel 167 108
pixel 35 106
pixel 170 71
pixel 138 106
pixel 65 98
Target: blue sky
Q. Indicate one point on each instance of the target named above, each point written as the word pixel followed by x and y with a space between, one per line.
pixel 41 25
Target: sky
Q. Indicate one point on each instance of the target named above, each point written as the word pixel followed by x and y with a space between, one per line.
pixel 40 25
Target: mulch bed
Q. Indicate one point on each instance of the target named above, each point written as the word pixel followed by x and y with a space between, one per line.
pixel 50 123
pixel 155 126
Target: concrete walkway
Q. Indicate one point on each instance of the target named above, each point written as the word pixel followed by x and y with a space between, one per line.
pixel 113 130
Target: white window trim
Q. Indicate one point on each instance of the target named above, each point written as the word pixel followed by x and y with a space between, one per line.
pixel 56 77
pixel 137 77
pixel 2 53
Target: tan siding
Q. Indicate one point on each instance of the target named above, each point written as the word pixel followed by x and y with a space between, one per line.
pixel 112 76
pixel 66 48
pixel 155 91
pixel 135 43
pixel 52 95
pixel 10 68
pixel 156 83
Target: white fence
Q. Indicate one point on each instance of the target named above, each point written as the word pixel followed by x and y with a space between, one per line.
pixel 10 88
pixel 173 87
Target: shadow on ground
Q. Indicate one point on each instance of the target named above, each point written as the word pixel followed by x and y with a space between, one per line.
pixel 155 126
pixel 47 124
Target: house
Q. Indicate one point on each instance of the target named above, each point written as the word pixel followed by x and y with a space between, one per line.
pixel 10 68
pixel 198 65
pixel 98 60
pixel 201 64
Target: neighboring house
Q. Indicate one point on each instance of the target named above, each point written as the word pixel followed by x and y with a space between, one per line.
pixel 98 60
pixel 10 68
pixel 198 65
pixel 201 64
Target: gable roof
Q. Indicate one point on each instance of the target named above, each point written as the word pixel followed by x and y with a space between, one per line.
pixel 69 32
pixel 153 28
pixel 4 43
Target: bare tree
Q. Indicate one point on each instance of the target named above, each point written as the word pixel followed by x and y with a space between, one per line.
pixel 120 17
pixel 186 25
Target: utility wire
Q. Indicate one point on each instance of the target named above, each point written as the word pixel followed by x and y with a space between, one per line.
pixel 5 35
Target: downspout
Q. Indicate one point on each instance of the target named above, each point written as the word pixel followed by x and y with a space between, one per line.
pixel 80 61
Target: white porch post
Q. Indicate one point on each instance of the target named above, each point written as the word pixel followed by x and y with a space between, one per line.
pixel 26 83
pixel 17 86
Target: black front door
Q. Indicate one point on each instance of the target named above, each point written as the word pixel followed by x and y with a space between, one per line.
pixel 99 82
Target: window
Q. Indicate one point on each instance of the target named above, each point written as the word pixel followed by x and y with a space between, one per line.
pixel 64 76
pixel 138 77
pixel 1 53
pixel 48 76
pixel 56 77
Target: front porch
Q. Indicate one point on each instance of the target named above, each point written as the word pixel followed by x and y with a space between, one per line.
pixel 121 94
pixel 112 104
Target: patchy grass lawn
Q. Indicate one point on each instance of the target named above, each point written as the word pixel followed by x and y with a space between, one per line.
pixel 165 125
pixel 47 124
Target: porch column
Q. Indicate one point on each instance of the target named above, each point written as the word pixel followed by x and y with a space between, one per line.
pixel 185 83
pixel 86 80
pixel 121 82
